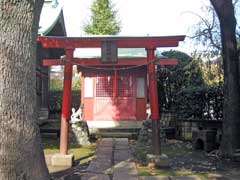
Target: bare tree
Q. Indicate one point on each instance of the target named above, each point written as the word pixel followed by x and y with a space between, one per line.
pixel 21 155
pixel 207 31
pixel 231 117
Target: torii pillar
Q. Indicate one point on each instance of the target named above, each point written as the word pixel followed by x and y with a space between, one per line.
pixel 66 101
pixel 153 96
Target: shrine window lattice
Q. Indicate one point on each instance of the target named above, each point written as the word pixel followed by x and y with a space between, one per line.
pixel 104 86
pixel 125 86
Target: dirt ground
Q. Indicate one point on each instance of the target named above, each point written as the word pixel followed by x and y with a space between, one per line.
pixel 183 157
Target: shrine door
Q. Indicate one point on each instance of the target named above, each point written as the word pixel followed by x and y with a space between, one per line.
pixel 115 97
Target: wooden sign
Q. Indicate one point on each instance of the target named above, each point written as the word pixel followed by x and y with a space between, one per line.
pixel 109 51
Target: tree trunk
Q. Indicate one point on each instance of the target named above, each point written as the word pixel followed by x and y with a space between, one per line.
pixel 231 111
pixel 21 155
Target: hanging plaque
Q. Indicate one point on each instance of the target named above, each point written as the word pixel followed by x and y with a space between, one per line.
pixel 109 51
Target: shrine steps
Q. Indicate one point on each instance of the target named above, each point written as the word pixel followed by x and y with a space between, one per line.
pixel 115 129
pixel 117 133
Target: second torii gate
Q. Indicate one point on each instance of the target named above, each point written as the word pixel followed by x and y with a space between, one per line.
pixel 69 45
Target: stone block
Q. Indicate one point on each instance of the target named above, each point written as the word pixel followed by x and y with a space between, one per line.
pixel 128 168
pixel 185 178
pixel 121 142
pixel 124 177
pixel 62 160
pixel 161 161
pixel 154 178
pixel 48 159
pixel 100 167
pixel 122 155
pixel 92 176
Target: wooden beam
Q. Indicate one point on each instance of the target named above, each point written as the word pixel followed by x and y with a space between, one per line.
pixel 66 103
pixel 122 42
pixel 154 105
pixel 97 62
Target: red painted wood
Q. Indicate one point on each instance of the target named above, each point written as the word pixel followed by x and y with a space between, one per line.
pixel 115 97
pixel 97 62
pixel 66 103
pixel 153 94
pixel 141 108
pixel 88 108
pixel 122 42
pixel 115 84
pixel 126 109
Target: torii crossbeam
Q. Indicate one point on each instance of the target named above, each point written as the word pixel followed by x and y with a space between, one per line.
pixel 69 44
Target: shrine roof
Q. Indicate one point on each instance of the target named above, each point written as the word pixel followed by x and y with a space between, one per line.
pixel 51 13
pixel 149 42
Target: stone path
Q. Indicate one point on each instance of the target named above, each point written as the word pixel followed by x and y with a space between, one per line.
pixel 112 161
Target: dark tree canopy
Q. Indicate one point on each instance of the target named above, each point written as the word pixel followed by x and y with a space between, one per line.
pixel 103 20
pixel 174 79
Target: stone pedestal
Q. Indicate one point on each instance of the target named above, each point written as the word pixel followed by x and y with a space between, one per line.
pixel 62 160
pixel 79 134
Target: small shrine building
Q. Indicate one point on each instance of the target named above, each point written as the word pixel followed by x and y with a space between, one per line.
pixel 114 88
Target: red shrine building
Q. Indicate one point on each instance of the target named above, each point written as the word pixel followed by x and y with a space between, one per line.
pixel 113 94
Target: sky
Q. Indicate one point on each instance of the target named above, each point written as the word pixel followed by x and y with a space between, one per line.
pixel 140 17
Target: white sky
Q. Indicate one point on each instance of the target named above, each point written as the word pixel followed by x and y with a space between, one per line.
pixel 140 17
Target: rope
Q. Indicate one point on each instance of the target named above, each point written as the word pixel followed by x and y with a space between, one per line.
pixel 111 68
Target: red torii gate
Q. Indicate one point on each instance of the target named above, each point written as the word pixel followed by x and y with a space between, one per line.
pixel 69 44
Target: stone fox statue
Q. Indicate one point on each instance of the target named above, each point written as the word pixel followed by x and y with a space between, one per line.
pixel 76 115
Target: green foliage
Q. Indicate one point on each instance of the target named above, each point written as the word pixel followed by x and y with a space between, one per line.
pixel 76 84
pixel 201 103
pixel 212 72
pixel 103 19
pixel 56 84
pixel 189 90
pixel 55 100
pixel 174 78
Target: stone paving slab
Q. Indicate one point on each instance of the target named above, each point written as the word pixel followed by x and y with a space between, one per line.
pixel 122 155
pixel 100 167
pixel 91 176
pixel 122 147
pixel 121 141
pixel 184 178
pixel 154 178
pixel 107 142
pixel 124 177
pixel 100 160
pixel 103 154
pixel 125 168
pixel 100 145
pixel 104 149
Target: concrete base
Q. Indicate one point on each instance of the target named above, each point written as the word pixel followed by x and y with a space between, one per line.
pixel 95 125
pixel 62 160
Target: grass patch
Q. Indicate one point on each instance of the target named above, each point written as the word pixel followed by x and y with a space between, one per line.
pixel 172 151
pixel 81 153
